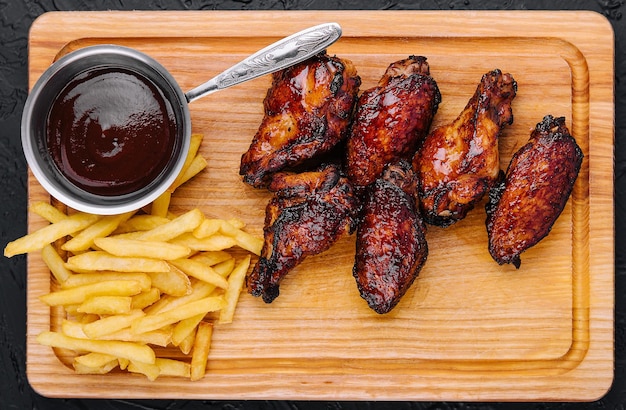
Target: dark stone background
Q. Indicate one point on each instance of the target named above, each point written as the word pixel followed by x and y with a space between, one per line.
pixel 16 17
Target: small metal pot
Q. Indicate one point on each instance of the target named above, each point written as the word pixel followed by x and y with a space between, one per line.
pixel 284 53
pixel 40 101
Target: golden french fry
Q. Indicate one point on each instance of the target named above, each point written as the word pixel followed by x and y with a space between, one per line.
pixel 199 290
pixel 249 242
pixel 85 318
pixel 100 260
pixel 71 309
pixel 161 205
pixel 85 239
pixel 81 279
pixel 236 222
pixel 80 293
pixel 150 370
pixel 215 242
pixel 142 249
pixel 200 271
pixel 129 235
pixel 94 359
pixel 145 298
pixel 174 282
pixel 208 227
pixel 187 222
pixel 123 363
pixel 111 324
pixel 171 367
pixel 184 328
pixel 227 228
pixel 141 223
pixel 224 268
pixel 55 263
pixel 73 329
pixel 106 305
pixel 211 257
pixel 47 211
pixel 128 350
pixel 104 369
pixel 157 321
pixel 194 146
pixel 235 284
pixel 48 234
pixel 187 344
pixel 197 165
pixel 201 348
pixel 160 337
pixel 244 240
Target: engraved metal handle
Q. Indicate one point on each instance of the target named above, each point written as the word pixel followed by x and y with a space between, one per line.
pixel 277 56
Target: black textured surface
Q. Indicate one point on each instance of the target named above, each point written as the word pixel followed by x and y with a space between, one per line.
pixel 16 16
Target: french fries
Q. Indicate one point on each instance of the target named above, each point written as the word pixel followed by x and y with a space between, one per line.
pixel 142 249
pixel 111 324
pixel 49 234
pixel 144 279
pixel 174 282
pixel 159 320
pixel 95 363
pixel 105 305
pixel 182 224
pixel 79 294
pixel 127 350
pixel 235 284
pixel 55 263
pixel 85 239
pixel 100 260
pixel 201 348
pixel 47 211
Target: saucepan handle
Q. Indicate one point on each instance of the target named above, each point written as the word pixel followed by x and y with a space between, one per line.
pixel 277 56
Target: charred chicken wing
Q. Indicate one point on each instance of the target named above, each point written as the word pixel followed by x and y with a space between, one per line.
pixel 538 183
pixel 307 112
pixel 459 162
pixel 391 119
pixel 391 245
pixel 307 214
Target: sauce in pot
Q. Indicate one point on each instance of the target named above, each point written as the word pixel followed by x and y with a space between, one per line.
pixel 111 131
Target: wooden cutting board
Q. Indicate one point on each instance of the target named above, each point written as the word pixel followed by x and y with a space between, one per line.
pixel 468 329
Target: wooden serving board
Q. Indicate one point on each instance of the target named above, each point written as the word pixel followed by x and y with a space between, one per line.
pixel 468 329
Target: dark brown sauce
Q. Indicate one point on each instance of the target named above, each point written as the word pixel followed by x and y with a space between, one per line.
pixel 111 131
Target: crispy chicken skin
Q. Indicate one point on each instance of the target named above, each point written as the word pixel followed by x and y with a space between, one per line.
pixel 459 162
pixel 539 180
pixel 307 112
pixel 391 245
pixel 308 213
pixel 391 119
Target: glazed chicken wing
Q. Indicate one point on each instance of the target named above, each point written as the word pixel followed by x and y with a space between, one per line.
pixel 391 245
pixel 459 162
pixel 307 214
pixel 539 181
pixel 307 112
pixel 391 119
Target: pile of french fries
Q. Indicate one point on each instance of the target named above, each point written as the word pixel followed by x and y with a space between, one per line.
pixel 133 282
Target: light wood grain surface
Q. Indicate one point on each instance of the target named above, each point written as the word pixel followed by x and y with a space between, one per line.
pixel 468 329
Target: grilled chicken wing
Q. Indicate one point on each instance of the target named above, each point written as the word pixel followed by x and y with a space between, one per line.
pixel 307 112
pixel 459 162
pixel 307 214
pixel 539 181
pixel 391 245
pixel 391 119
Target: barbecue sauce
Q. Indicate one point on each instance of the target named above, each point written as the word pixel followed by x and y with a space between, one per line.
pixel 111 131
